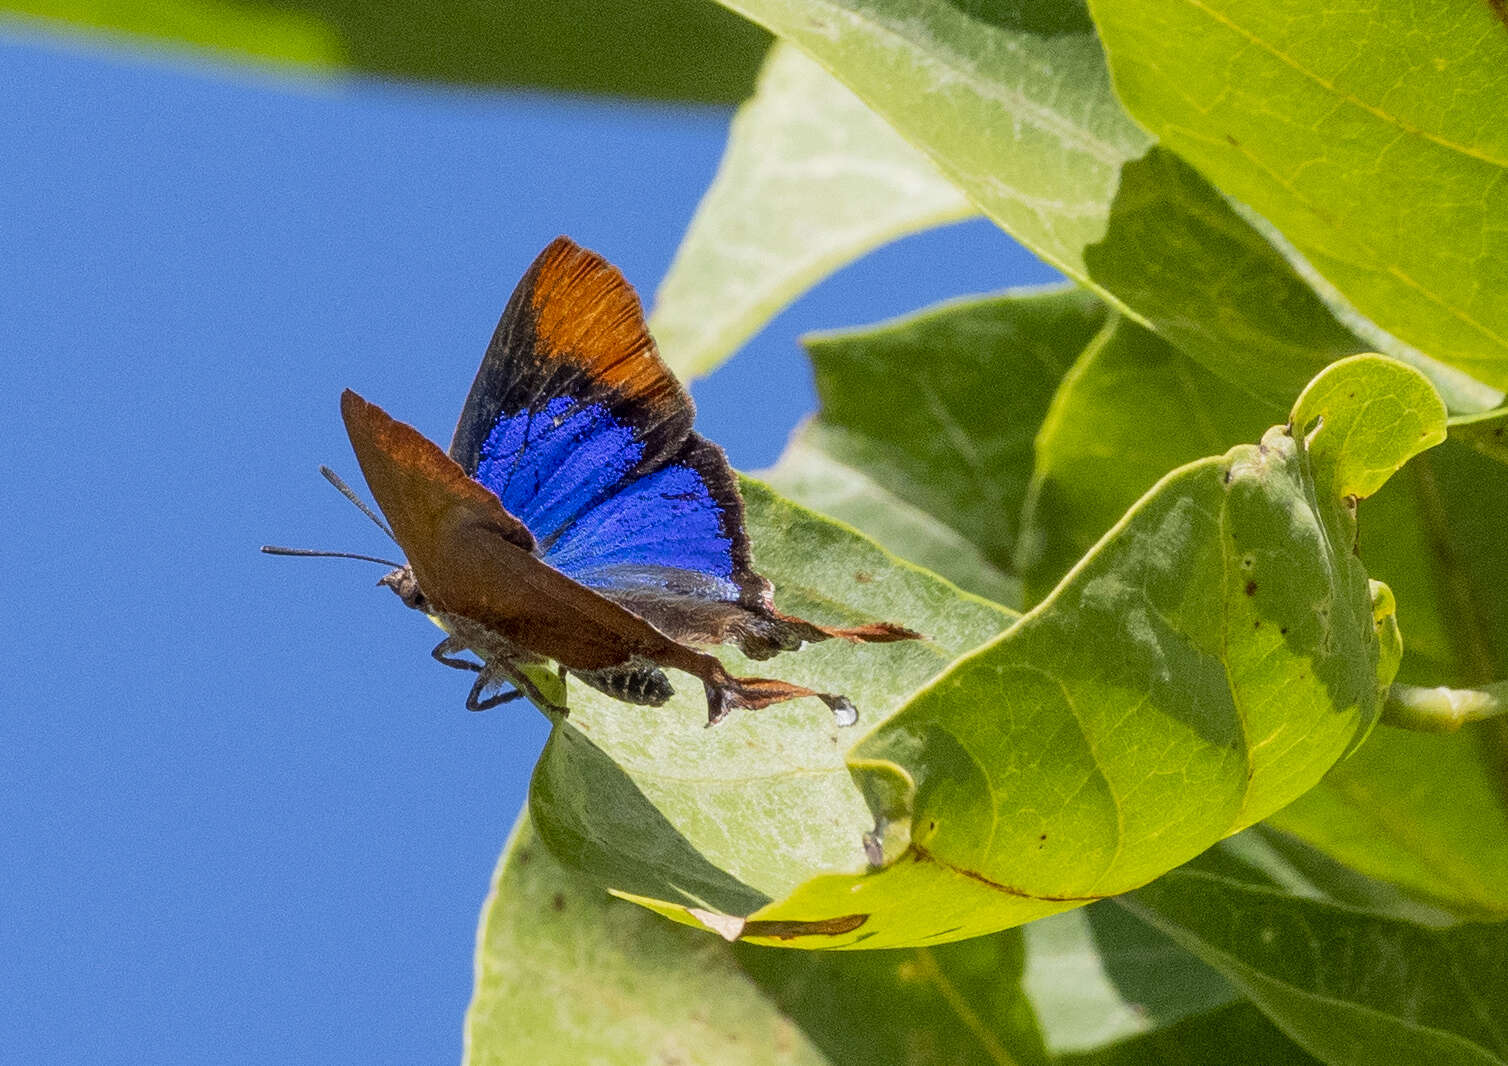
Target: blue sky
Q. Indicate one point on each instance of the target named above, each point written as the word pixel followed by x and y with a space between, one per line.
pixel 245 818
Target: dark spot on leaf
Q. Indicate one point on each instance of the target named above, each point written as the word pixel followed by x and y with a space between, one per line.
pixel 1283 630
pixel 1351 395
pixel 863 577
pixel 934 936
pixel 1251 588
pixel 1257 624
pixel 1042 837
pixel 523 857
pixel 788 930
pixel 1496 433
pixel 557 902
pixel 1232 141
pixel 1226 476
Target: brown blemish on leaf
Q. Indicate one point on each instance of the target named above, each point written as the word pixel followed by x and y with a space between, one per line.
pixel 863 577
pixel 921 854
pixel 1251 588
pixel 557 902
pixel 790 930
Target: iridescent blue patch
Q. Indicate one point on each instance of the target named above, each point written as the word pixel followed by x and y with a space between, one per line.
pixel 666 520
pixel 561 470
pixel 551 464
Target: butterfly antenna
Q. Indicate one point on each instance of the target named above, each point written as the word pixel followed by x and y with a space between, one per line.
pixel 273 549
pixel 349 493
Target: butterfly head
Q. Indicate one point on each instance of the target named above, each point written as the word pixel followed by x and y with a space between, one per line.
pixel 402 581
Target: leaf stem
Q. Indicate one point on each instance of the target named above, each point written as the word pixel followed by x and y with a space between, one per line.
pixel 1443 710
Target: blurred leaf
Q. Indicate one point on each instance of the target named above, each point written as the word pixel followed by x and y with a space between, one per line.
pixel 1351 987
pixel 1121 728
pixel 1371 136
pixel 1014 104
pixel 1097 975
pixel 566 974
pixel 811 180
pixel 1238 1033
pixel 815 479
pixel 1424 812
pixel 927 423
pixel 671 49
pixel 1486 432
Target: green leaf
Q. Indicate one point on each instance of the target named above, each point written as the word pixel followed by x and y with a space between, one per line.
pixel 567 974
pixel 1391 413
pixel 1201 668
pixel 1428 813
pixel 1370 135
pixel 934 461
pixel 672 49
pixel 653 804
pixel 1132 408
pixel 1066 171
pixel 1486 432
pixel 954 1003
pixel 1236 1033
pixel 811 180
pixel 1218 629
pixel 1348 985
pixel 815 479
pixel 1097 976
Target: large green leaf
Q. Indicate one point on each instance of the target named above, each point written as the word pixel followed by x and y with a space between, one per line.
pixel 1202 667
pixel 1372 135
pixel 1350 986
pixel 679 49
pixel 1428 813
pixel 811 180
pixel 924 437
pixel 566 974
pixel 1014 104
pixel 653 804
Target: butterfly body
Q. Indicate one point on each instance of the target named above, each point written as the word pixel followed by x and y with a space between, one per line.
pixel 577 519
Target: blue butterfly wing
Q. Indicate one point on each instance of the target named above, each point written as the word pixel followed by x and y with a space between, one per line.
pixel 585 436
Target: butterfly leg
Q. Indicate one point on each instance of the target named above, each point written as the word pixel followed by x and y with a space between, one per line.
pixel 503 670
pixel 443 652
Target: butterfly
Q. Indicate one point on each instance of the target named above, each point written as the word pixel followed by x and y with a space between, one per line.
pixel 577 518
